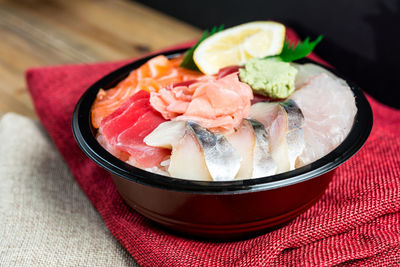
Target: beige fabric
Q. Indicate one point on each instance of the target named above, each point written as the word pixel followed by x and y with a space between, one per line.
pixel 45 219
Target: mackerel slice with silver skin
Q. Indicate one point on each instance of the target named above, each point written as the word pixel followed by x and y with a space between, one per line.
pixel 177 136
pixel 187 159
pixel 222 160
pixel 243 140
pixel 278 144
pixel 295 136
pixel 263 164
pixel 295 116
pixel 283 122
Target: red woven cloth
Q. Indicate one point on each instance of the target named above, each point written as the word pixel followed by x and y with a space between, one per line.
pixel 357 221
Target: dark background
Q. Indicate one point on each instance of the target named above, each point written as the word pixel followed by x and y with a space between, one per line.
pixel 361 37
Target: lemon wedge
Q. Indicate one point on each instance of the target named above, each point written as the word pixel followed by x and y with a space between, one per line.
pixel 236 45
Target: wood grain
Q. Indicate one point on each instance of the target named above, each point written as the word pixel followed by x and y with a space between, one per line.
pixel 51 32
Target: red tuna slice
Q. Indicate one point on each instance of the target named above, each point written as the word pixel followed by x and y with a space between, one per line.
pixel 125 116
pixel 185 83
pixel 131 140
pixel 228 70
pixel 261 98
pixel 125 129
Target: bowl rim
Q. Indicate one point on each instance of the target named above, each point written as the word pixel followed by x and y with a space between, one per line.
pixel 84 136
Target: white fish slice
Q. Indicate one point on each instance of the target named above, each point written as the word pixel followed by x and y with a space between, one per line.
pixel 306 71
pixel 328 105
pixel 166 134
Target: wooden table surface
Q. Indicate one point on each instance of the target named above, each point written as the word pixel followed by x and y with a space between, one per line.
pixel 51 32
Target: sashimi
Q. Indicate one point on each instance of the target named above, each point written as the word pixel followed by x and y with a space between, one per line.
pixel 167 134
pixel 307 71
pixel 183 166
pixel 283 122
pixel 243 140
pixel 124 130
pixel 155 74
pixel 131 141
pixel 263 163
pixel 262 115
pixel 329 108
pixel 124 116
pixel 279 146
pixel 211 155
pixel 177 136
pixel 294 136
pixel 222 160
pixel 206 128
pixel 250 140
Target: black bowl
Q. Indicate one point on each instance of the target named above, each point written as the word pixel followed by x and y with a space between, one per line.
pixel 218 210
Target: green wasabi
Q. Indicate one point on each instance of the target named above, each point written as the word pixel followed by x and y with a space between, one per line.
pixel 270 77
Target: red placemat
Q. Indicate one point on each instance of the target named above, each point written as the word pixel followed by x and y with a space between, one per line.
pixel 357 220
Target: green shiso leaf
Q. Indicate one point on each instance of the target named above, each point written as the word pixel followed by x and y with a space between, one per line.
pixel 188 62
pixel 302 49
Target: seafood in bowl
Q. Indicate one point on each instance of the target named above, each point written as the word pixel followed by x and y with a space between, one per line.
pixel 186 124
pixel 275 168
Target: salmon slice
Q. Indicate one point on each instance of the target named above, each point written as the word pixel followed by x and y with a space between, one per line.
pixel 123 131
pixel 155 74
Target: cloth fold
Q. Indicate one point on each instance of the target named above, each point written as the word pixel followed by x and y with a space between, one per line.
pixel 355 222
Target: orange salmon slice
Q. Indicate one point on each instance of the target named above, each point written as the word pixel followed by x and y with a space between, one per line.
pixel 159 72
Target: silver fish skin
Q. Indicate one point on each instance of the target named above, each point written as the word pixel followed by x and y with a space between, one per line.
pixel 294 137
pixel 263 164
pixel 177 136
pixel 222 160
pixel 283 122
pixel 295 115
